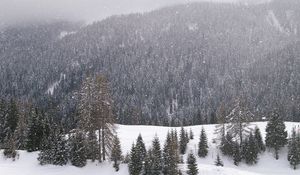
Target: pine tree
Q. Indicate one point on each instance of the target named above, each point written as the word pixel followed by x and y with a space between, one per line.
pixel 259 141
pixel 169 157
pixel 191 134
pixel 237 154
pixel 156 168
pixel 92 146
pixel 95 113
pixel 218 161
pixel 294 150
pixel 141 146
pixel 35 131
pixel 148 163
pixel 227 145
pixel 183 141
pixel 59 149
pixel 276 136
pixel 220 129
pixel 239 119
pixel 192 165
pixel 251 150
pixel 3 116
pixel 77 144
pixel 135 163
pixel 116 153
pixel 202 146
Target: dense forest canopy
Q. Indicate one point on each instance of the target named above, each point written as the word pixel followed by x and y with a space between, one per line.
pixel 171 66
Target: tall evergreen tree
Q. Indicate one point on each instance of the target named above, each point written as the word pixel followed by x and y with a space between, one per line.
pixel 227 145
pixel 183 141
pixel 170 166
pixel 237 154
pixel 59 148
pixel 251 150
pixel 116 153
pixel 35 131
pixel 276 136
pixel 259 140
pixel 294 149
pixel 220 129
pixel 135 163
pixel 191 134
pixel 77 145
pixel 148 163
pixel 141 146
pixel 95 113
pixel 192 165
pixel 239 119
pixel 92 146
pixel 156 168
pixel 202 146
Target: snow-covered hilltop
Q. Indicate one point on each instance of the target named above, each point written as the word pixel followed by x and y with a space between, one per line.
pixel 27 164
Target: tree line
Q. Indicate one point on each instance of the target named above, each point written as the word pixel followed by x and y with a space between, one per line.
pixel 25 127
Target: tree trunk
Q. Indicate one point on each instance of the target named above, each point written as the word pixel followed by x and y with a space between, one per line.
pixel 99 138
pixel 103 144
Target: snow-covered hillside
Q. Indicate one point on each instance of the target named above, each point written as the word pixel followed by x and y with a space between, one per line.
pixel 27 163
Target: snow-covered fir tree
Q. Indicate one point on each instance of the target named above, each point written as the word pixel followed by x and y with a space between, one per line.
pixel 250 153
pixel 116 153
pixel 227 145
pixel 183 140
pixel 259 141
pixel 156 168
pixel 276 136
pixel 95 114
pixel 135 164
pixel 238 120
pixel 294 149
pixel 202 146
pixel 77 146
pixel 192 165
pixel 141 146
pixel 170 166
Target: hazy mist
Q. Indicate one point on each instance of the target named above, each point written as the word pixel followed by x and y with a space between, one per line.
pixel 87 10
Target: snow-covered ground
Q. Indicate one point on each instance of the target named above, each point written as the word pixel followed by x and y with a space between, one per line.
pixel 267 165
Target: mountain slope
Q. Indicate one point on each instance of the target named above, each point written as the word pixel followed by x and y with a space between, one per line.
pixel 170 66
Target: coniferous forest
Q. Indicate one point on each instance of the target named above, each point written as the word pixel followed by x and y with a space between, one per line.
pixel 65 86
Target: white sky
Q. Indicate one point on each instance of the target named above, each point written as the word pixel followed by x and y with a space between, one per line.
pixel 90 10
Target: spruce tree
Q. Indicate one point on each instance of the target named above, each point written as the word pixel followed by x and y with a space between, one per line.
pixel 135 164
pixel 169 157
pixel 77 144
pixel 259 140
pixel 218 161
pixel 191 134
pixel 141 146
pixel 276 136
pixel 60 150
pixel 192 165
pixel 294 150
pixel 183 141
pixel 237 154
pixel 251 150
pixel 92 146
pixel 35 131
pixel 227 145
pixel 239 119
pixel 116 153
pixel 148 165
pixel 202 146
pixel 156 168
